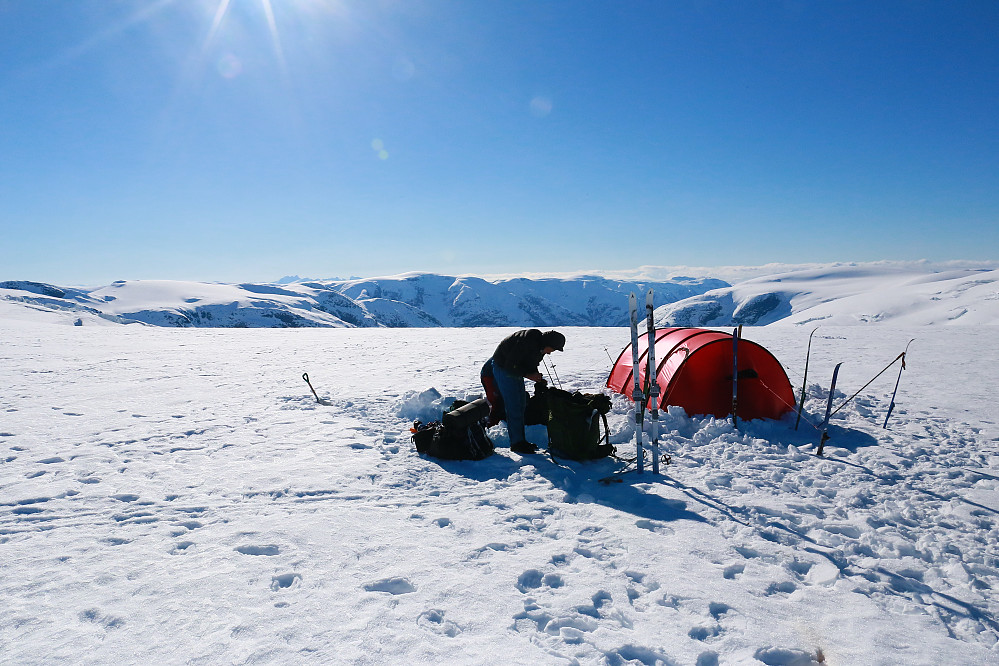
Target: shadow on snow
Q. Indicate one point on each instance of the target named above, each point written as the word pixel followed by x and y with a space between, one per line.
pixel 581 483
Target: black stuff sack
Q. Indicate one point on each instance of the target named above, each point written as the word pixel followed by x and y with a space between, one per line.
pixel 536 410
pixel 574 421
pixel 457 437
pixel 463 414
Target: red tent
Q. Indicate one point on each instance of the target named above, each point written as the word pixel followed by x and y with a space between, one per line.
pixel 695 372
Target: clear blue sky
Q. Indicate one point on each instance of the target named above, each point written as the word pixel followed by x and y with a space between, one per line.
pixel 238 140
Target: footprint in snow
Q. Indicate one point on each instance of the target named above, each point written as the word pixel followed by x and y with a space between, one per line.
pixel 599 599
pixel 391 585
pixel 529 580
pixel 786 587
pixel 733 570
pixel 493 547
pixel 774 656
pixel 636 653
pixel 95 616
pixel 433 620
pixel 181 547
pixel 823 573
pixel 533 579
pixel 285 581
pixel 717 610
pixel 653 526
pixel 258 550
pixel 639 587
pixel 708 658
pixel 702 633
pixel 552 580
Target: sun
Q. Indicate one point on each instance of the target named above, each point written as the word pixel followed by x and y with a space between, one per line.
pixel 268 10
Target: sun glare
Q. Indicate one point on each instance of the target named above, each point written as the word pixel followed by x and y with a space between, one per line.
pixel 266 8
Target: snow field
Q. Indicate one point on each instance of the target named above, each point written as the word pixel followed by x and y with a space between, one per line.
pixel 179 496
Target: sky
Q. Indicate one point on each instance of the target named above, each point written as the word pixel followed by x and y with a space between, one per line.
pixel 245 140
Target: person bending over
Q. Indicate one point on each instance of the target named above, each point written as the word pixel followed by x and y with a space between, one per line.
pixel 516 359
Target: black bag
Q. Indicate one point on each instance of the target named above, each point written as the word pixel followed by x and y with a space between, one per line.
pixel 574 424
pixel 459 437
pixel 536 410
pixel 464 414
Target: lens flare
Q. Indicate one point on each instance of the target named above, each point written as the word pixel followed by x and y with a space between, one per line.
pixel 403 69
pixel 541 107
pixel 229 66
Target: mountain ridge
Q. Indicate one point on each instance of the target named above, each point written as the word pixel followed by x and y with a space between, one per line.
pixel 841 294
pixel 408 300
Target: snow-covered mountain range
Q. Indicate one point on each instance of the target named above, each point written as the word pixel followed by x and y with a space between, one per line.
pixel 844 295
pixel 841 294
pixel 410 300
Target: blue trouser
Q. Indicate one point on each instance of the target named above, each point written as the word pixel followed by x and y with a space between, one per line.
pixel 511 387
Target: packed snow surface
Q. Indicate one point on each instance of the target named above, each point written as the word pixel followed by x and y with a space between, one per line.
pixel 179 496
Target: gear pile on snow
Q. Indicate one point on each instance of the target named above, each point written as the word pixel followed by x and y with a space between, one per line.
pixel 459 435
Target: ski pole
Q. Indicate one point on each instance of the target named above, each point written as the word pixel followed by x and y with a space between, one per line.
pixel 549 371
pixel 557 378
pixel 885 369
pixel 891 407
pixel 305 376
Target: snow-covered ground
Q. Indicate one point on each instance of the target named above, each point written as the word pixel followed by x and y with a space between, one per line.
pixel 178 496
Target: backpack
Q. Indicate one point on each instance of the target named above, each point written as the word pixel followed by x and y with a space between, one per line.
pixel 459 434
pixel 574 424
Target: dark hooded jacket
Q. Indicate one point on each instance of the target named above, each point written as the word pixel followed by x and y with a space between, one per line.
pixel 521 352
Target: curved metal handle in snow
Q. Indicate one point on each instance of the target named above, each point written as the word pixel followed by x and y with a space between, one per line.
pixel 305 376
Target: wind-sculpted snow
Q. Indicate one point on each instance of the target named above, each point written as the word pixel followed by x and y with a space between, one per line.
pixel 180 496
